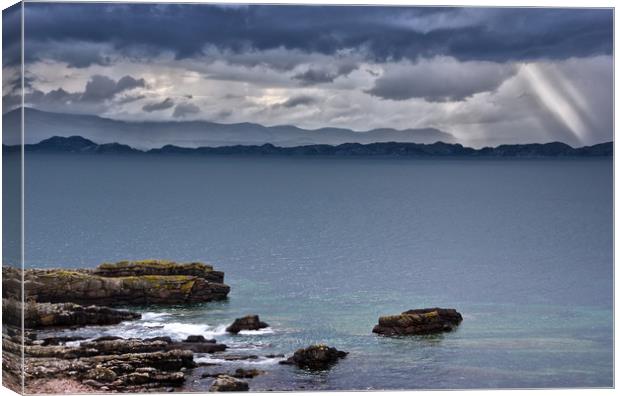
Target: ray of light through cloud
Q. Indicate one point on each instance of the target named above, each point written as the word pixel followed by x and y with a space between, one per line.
pixel 554 99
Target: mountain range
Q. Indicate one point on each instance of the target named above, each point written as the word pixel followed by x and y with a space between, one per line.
pixel 146 135
pixel 79 144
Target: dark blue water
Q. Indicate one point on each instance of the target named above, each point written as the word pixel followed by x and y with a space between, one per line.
pixel 319 248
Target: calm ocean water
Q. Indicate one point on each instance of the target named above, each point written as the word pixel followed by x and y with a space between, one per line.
pixel 321 247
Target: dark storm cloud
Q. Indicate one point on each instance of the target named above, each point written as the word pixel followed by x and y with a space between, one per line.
pixel 97 91
pixel 11 33
pixel 184 109
pixel 313 76
pixel 319 76
pixel 381 33
pixel 300 100
pixel 101 87
pixel 440 80
pixel 157 106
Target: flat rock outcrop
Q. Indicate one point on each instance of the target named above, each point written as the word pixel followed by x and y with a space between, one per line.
pixel 315 357
pixel 37 315
pixel 128 283
pixel 419 322
pixel 250 322
pixel 108 363
pixel 159 267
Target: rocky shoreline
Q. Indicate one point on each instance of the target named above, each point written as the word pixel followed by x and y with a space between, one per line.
pixel 73 298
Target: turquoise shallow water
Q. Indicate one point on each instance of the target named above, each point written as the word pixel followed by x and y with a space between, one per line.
pixel 321 247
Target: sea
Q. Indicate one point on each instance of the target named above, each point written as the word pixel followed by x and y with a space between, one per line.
pixel 320 247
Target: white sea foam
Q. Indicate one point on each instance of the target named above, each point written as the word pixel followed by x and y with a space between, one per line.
pixel 153 324
pixel 154 315
pixel 266 330
pixel 249 362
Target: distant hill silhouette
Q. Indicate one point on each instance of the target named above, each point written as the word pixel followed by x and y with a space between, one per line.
pixel 152 134
pixel 78 144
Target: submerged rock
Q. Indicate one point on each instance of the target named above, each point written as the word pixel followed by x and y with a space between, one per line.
pixel 128 283
pixel 419 322
pixel 315 357
pixel 226 383
pixel 250 322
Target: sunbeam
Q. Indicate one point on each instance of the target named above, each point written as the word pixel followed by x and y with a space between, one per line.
pixel 554 99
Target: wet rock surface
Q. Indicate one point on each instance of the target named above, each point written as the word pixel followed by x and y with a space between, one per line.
pixel 249 322
pixel 315 357
pixel 419 322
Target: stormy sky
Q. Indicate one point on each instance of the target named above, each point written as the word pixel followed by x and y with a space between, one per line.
pixel 486 75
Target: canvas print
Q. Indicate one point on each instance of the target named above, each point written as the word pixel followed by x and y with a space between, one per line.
pixel 230 197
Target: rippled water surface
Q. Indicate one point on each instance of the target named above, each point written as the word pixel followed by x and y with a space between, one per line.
pixel 319 248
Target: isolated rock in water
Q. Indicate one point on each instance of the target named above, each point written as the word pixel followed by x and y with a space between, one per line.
pixel 419 322
pixel 315 357
pixel 197 338
pixel 226 383
pixel 68 314
pixel 128 282
pixel 250 322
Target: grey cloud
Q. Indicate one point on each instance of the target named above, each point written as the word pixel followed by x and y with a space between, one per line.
pixel 129 82
pixel 98 90
pixel 184 109
pixel 301 100
pixel 313 76
pixel 223 114
pixel 130 98
pixel 383 33
pixel 440 80
pixel 101 88
pixel 158 106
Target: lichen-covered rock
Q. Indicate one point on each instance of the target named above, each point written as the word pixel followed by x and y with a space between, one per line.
pixel 250 322
pixel 128 283
pixel 226 383
pixel 419 322
pixel 159 267
pixel 38 315
pixel 101 375
pixel 315 357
